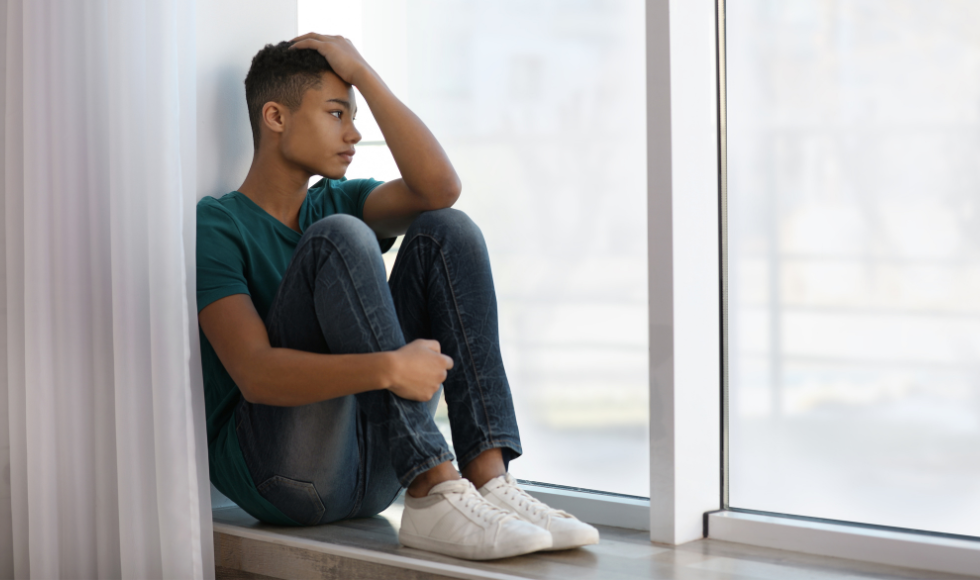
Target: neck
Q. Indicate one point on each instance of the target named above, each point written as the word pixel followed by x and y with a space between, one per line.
pixel 276 186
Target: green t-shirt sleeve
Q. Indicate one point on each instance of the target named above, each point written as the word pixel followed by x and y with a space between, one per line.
pixel 353 194
pixel 349 198
pixel 220 255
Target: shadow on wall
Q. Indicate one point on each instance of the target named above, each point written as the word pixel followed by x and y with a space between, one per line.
pixel 229 134
pixel 233 123
pixel 228 34
pixel 228 156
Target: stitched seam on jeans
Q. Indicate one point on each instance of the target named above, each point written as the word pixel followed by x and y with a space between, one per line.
pixel 274 314
pixel 462 329
pixel 308 488
pixel 362 467
pixel 357 293
pixel 466 340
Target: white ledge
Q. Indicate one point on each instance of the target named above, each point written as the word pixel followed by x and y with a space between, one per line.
pixel 904 549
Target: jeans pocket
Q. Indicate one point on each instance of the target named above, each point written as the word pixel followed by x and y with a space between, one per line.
pixel 298 500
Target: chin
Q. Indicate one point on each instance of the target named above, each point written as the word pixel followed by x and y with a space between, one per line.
pixel 334 172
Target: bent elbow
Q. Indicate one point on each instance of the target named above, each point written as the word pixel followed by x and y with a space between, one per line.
pixel 251 393
pixel 437 194
pixel 453 192
pixel 447 193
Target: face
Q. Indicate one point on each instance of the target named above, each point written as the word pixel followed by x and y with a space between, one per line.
pixel 319 136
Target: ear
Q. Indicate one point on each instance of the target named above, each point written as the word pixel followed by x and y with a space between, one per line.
pixel 274 117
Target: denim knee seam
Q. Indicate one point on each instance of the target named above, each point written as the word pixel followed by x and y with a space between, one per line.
pixel 462 327
pixel 347 269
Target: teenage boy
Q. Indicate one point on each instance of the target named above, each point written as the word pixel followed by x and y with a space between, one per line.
pixel 321 378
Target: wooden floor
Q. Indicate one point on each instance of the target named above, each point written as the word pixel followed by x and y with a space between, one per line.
pixel 368 548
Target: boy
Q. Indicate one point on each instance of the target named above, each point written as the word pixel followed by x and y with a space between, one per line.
pixel 321 377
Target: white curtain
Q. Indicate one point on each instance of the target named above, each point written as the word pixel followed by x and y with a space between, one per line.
pixel 102 440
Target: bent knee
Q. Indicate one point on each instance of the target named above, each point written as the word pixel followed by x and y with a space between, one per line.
pixel 449 221
pixel 343 227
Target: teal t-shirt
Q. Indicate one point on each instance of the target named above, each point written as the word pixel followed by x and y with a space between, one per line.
pixel 241 249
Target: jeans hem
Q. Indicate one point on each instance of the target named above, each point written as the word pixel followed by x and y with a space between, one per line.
pixel 472 454
pixel 407 479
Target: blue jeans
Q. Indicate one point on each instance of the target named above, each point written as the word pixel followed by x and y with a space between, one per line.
pixel 350 456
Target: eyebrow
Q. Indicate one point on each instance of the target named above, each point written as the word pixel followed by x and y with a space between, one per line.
pixel 342 102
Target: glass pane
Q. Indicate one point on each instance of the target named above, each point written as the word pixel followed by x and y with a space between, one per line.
pixel 854 212
pixel 541 107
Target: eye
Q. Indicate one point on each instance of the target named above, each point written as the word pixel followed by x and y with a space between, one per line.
pixel 338 114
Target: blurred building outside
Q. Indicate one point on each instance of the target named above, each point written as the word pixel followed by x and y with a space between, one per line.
pixel 854 260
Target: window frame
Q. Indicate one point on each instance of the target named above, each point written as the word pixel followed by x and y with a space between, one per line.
pixel 880 544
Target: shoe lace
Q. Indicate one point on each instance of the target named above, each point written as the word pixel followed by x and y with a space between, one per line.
pixel 483 509
pixel 531 504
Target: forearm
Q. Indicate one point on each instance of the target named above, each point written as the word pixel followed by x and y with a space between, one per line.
pixel 285 377
pixel 423 164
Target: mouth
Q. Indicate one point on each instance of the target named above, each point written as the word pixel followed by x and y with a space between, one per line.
pixel 347 156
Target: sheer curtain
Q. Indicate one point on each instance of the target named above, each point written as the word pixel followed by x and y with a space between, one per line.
pixel 101 409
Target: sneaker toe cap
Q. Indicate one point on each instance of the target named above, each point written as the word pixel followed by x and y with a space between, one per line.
pixel 518 536
pixel 571 533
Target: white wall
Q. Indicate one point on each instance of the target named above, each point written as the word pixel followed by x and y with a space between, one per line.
pixel 229 33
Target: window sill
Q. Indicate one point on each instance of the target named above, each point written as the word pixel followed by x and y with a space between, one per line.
pixel 908 550
pixel 246 549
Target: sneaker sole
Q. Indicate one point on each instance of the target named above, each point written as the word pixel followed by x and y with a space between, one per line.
pixel 471 552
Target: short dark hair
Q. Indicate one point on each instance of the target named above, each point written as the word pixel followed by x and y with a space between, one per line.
pixel 281 75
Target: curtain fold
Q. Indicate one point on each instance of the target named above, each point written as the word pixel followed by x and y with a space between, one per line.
pixel 101 404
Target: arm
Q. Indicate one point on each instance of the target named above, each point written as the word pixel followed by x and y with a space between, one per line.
pixel 428 180
pixel 286 377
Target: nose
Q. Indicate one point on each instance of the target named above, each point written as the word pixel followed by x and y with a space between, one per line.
pixel 353 135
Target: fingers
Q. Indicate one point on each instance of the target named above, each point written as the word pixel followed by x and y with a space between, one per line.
pixel 312 35
pixel 314 38
pixel 431 344
pixel 308 43
pixel 434 346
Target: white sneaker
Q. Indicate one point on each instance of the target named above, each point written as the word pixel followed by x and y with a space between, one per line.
pixel 455 520
pixel 566 530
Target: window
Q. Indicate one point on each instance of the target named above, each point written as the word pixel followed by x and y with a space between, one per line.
pixel 541 107
pixel 853 141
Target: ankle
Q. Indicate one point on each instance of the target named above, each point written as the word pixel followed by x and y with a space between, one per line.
pixel 482 479
pixel 425 481
pixel 484 467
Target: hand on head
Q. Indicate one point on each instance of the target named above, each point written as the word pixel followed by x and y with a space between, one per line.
pixel 346 62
